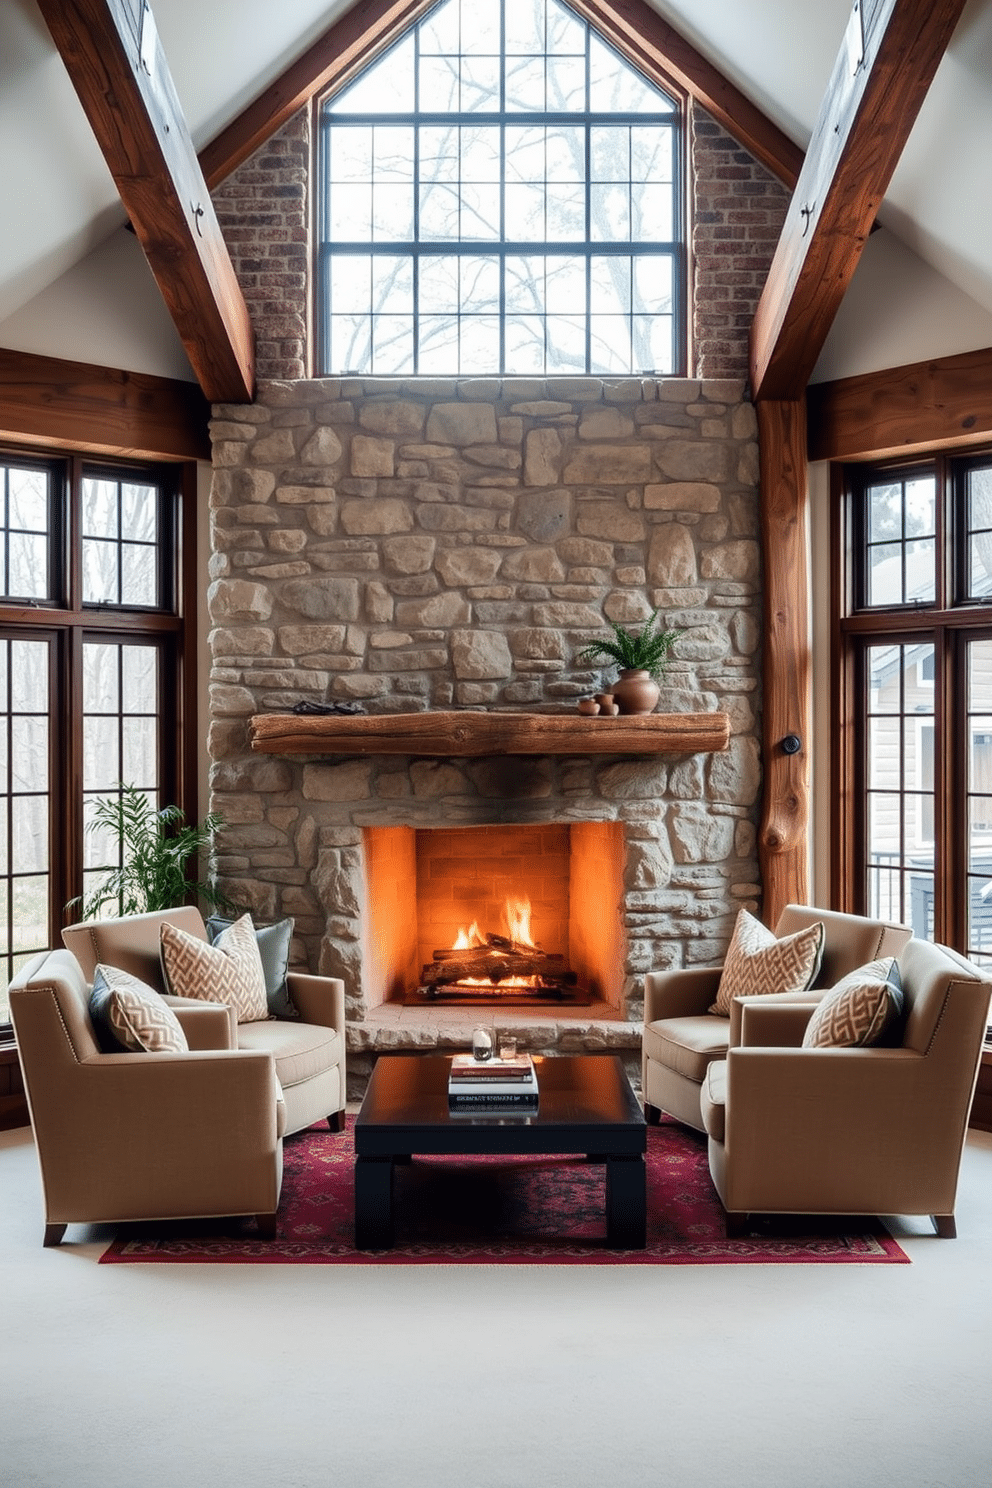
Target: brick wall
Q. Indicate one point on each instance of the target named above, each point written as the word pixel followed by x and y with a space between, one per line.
pixel 738 211
pixel 263 210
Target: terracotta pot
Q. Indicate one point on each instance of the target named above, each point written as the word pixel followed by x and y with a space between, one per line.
pixel 636 692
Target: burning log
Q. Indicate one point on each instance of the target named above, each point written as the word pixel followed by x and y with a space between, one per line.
pixel 497 961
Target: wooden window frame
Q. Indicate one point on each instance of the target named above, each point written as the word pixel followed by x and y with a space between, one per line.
pixel 951 621
pixel 66 621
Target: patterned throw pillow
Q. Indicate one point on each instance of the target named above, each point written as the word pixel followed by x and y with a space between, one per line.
pixel 274 943
pixel 229 971
pixel 863 1009
pixel 128 1014
pixel 757 963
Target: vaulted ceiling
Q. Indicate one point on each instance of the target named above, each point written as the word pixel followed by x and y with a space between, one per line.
pixel 62 200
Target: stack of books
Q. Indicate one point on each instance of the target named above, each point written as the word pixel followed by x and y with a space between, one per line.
pixel 492 1084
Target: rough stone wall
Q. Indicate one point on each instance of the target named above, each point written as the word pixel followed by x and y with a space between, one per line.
pixel 737 213
pixel 427 544
pixel 739 209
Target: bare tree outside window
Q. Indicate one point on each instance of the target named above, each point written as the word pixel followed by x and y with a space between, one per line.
pixel 500 195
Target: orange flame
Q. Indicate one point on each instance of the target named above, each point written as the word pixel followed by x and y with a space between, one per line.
pixel 518 921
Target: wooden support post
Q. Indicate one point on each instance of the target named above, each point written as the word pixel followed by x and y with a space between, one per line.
pixel 783 848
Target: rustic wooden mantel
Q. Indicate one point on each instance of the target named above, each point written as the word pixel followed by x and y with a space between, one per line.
pixel 450 733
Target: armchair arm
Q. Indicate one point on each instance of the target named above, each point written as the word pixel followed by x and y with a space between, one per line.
pixel 318 999
pixel 131 1136
pixel 772 1022
pixel 808 1104
pixel 207 1025
pixel 838 1131
pixel 685 993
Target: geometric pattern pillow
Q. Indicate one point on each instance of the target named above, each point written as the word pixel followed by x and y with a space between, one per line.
pixel 758 963
pixel 128 1014
pixel 229 971
pixel 274 943
pixel 863 1008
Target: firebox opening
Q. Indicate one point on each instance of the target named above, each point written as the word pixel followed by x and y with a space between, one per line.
pixel 456 896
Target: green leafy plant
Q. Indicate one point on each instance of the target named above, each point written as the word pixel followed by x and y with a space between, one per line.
pixel 156 849
pixel 644 650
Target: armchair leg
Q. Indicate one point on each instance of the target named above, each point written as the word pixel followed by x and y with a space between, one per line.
pixel 336 1121
pixel 736 1224
pixel 652 1114
pixel 945 1226
pixel 53 1234
pixel 266 1226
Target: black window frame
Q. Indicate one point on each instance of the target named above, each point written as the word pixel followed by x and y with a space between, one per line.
pixel 675 251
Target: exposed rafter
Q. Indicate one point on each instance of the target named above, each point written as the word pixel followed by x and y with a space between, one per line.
pixel 925 405
pixel 346 47
pixel 880 79
pixel 368 28
pixel 119 71
pixel 72 405
pixel 657 48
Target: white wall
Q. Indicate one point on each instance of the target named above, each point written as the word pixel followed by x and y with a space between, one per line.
pixel 106 310
pixel 898 310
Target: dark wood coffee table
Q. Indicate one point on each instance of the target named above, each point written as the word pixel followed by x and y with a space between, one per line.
pixel 586 1106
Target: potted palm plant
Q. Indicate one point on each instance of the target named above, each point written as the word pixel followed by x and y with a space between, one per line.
pixel 641 657
pixel 157 848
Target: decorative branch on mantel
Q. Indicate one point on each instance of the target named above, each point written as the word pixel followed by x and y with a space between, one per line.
pixel 451 733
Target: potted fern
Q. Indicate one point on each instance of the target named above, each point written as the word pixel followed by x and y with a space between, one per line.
pixel 641 657
pixel 157 847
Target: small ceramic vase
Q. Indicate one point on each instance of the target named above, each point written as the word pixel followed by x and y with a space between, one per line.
pixel 589 707
pixel 636 692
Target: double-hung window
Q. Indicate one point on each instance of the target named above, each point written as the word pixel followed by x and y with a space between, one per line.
pixel 91 643
pixel 915 689
pixel 501 192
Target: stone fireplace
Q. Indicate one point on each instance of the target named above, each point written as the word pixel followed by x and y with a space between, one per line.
pixel 418 546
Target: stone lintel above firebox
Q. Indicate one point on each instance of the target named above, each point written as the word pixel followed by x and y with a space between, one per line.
pixel 464 733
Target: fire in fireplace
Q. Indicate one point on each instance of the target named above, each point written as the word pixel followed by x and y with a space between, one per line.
pixel 424 885
pixel 486 966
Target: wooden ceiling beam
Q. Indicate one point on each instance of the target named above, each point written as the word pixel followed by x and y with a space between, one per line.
pixel 346 47
pixel 99 410
pixel 657 49
pixel 921 406
pixel 636 30
pixel 876 90
pixel 116 63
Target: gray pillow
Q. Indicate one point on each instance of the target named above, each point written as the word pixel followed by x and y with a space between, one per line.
pixel 273 947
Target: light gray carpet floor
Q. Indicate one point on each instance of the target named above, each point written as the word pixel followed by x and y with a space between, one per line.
pixel 494 1377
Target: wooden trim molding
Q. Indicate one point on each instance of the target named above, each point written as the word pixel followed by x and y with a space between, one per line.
pixel 783 849
pixel 864 122
pixel 451 734
pixel 941 404
pixel 631 25
pixel 100 410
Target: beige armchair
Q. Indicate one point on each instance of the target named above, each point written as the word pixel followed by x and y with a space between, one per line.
pixel 681 1037
pixel 309 1052
pixel 141 1136
pixel 850 1131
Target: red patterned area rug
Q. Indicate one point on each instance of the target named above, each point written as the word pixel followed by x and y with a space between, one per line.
pixel 505 1211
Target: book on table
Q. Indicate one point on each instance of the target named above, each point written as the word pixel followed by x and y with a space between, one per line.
pixel 465 1068
pixel 507 1084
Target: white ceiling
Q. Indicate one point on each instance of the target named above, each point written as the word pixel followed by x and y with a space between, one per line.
pixel 61 203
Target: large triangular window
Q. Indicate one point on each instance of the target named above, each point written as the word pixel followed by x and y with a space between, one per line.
pixel 500 193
